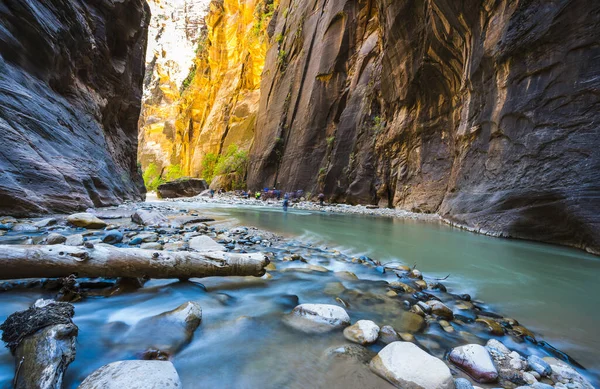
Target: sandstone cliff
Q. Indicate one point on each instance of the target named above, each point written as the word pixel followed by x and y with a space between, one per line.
pixel 216 104
pixel 70 78
pixel 483 111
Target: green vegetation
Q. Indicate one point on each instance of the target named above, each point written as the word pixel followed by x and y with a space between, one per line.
pixel 188 80
pixel 282 58
pixel 286 13
pixel 378 125
pixel 153 177
pixel 263 15
pixel 330 141
pixel 233 161
pixel 279 38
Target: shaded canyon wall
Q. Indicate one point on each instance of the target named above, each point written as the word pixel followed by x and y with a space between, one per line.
pixel 485 112
pixel 70 88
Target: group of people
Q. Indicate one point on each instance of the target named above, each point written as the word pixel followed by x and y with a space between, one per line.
pixel 274 193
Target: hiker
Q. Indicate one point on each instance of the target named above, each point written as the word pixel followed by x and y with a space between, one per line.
pixel 321 199
pixel 257 195
pixel 286 202
pixel 212 193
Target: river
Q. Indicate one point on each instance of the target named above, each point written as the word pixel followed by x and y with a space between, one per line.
pixel 552 290
pixel 241 343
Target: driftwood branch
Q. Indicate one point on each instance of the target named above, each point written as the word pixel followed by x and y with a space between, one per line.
pixel 37 261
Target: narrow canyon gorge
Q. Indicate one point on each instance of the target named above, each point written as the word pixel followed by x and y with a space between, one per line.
pixel 299 194
pixel 484 112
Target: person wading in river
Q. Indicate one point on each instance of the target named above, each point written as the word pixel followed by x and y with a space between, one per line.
pixel 286 202
pixel 321 199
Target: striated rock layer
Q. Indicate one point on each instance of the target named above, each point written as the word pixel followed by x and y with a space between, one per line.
pixel 71 76
pixel 485 112
pixel 215 104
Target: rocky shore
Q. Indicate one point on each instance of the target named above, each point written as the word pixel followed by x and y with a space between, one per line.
pixel 384 326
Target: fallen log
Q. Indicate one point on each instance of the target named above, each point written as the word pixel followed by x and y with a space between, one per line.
pixel 103 260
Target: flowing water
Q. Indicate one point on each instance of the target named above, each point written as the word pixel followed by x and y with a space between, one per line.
pixel 243 343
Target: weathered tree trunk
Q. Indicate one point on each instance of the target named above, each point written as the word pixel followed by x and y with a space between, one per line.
pixel 32 261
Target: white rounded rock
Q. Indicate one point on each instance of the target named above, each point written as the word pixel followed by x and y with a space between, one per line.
pixel 475 360
pixel 316 318
pixel 133 374
pixel 362 332
pixel 407 366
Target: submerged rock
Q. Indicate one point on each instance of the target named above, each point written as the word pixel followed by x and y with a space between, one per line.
pixel 362 332
pixel 475 360
pixel 167 332
pixel 407 366
pixel 538 365
pixel 317 318
pixel 86 220
pixel 134 374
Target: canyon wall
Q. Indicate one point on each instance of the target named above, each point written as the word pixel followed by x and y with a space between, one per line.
pixel 485 112
pixel 71 76
pixel 214 107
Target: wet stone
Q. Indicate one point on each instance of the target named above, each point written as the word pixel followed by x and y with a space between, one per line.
pixel 362 332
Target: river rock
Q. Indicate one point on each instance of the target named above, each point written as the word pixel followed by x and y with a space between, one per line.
pixel 475 360
pixel 50 221
pixel 317 318
pixel 133 374
pixel 561 372
pixel 463 383
pixel 112 237
pixel 350 351
pixel 538 365
pixel 362 332
pixel 183 187
pixel 86 220
pixel 55 238
pixel 409 322
pixel 509 364
pixel 407 366
pixel 204 243
pixel 151 246
pixel 387 335
pixel 148 218
pixel 42 339
pixel 167 332
pixel 440 309
pixel 74 240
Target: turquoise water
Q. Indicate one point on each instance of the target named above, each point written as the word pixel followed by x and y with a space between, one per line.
pixel 553 291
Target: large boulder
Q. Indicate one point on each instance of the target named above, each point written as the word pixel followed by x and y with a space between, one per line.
pixel 407 366
pixel 476 361
pixel 317 318
pixel 86 220
pixel 183 187
pixel 133 374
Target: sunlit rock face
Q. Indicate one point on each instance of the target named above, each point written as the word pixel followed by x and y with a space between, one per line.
pixel 175 30
pixel 483 111
pixel 71 83
pixel 213 103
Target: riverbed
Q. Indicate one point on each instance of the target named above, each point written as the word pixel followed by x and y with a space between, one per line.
pixel 243 343
pixel 553 290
